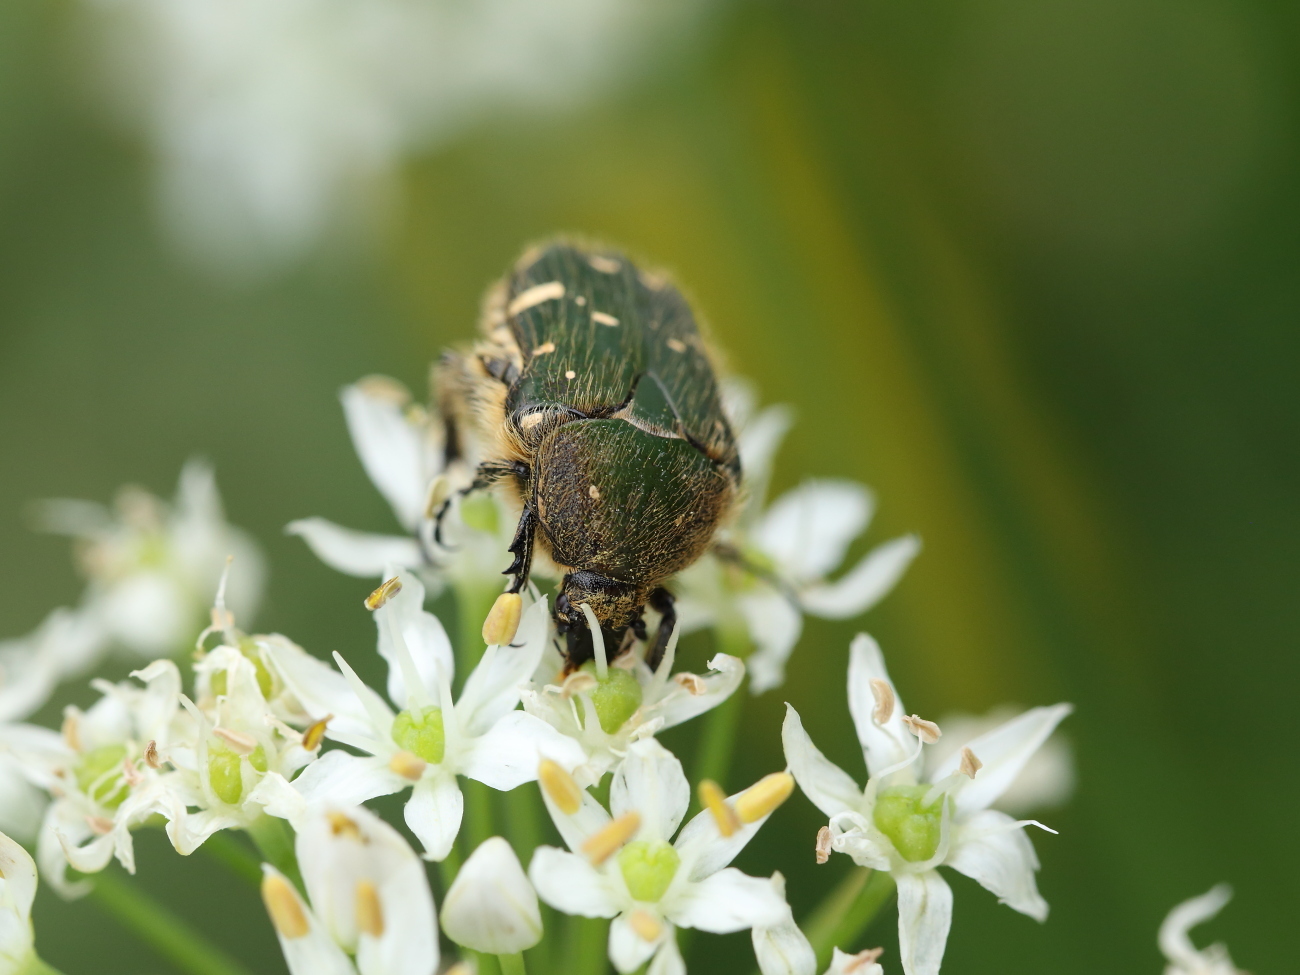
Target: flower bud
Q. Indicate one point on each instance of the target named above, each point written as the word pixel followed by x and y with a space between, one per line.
pixel 491 906
pixel 615 697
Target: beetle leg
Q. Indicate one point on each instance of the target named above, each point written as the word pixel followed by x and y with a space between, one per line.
pixel 488 473
pixel 662 601
pixel 522 547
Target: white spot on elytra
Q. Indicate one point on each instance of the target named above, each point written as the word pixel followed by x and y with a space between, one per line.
pixel 600 318
pixel 604 265
pixel 570 375
pixel 677 345
pixel 535 296
pixel 544 348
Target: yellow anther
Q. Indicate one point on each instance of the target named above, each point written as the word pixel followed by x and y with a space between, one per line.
pixel 823 844
pixel 408 766
pixel 927 731
pixel 764 796
pixel 151 755
pixel 645 924
pixel 884 695
pixel 315 733
pixel 343 825
pixel 970 763
pixel 240 743
pixel 503 619
pixel 600 846
pixel 714 800
pixel 384 593
pixel 370 913
pixel 693 683
pixel 284 907
pixel 559 785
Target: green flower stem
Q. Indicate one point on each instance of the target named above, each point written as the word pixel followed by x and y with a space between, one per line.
pixel 485 964
pixel 839 920
pixel 37 966
pixel 512 965
pixel 585 945
pixel 274 841
pixel 173 938
pixel 228 850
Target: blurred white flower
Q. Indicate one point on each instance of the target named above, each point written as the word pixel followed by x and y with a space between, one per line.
pixel 276 122
pixel 369 898
pixel 67 642
pixel 911 827
pixel 17 891
pixel 1047 780
pixel 624 867
pixel 1184 957
pixel 862 963
pixel 430 740
pixel 794 544
pixel 153 568
pixel 491 906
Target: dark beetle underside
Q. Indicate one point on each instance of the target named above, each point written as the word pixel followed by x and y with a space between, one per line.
pixel 593 395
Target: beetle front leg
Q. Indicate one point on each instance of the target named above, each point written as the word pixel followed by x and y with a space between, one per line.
pixel 522 547
pixel 662 601
pixel 488 473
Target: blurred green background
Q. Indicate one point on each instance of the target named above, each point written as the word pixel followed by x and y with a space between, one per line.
pixel 1027 267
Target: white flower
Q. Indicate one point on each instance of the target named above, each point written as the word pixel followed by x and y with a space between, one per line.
pixel 1047 780
pixel 605 714
pixel 276 123
pixel 795 543
pixel 17 891
pixel 65 644
pixel 1184 957
pixel 623 867
pixel 910 828
pixel 401 448
pixel 154 568
pixel 430 739
pixel 862 963
pixel 369 898
pixel 782 949
pixel 491 906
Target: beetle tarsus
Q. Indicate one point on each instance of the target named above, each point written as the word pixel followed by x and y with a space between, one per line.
pixel 522 547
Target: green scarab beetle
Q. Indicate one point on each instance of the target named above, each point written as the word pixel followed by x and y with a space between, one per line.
pixel 593 395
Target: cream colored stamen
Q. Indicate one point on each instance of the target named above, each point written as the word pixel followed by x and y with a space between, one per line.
pixel 240 743
pixel 315 733
pixel 927 731
pixel 714 800
pixel 151 755
pixel 645 924
pixel 99 825
pixel 764 796
pixel 408 766
pixel 282 904
pixel 884 695
pixel 502 621
pixel 602 845
pixel 970 763
pixel 823 844
pixel 370 913
pixel 560 787
pixel 383 594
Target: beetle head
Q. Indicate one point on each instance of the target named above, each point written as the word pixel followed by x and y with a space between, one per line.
pixel 616 605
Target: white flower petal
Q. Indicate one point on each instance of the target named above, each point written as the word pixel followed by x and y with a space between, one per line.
pixel 924 917
pixel 782 949
pixel 355 553
pixel 650 781
pixel 319 688
pixel 681 704
pixel 509 753
pixel 315 952
pixel 574 830
pixel 1174 940
pixel 725 901
pixel 17 891
pixel 569 883
pixel 807 530
pixel 758 442
pixel 423 635
pixel 828 786
pixel 492 689
pixel 866 584
pixel 845 964
pixel 883 745
pixel 491 906
pixel 668 959
pixel 628 951
pixel 434 812
pixel 1004 752
pixel 343 779
pixel 990 847
pixel 393 450
pixel 774 625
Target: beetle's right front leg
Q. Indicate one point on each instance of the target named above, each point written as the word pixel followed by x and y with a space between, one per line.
pixel 522 547
pixel 488 473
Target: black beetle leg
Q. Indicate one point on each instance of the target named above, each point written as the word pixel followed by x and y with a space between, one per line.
pixel 662 601
pixel 487 474
pixel 522 547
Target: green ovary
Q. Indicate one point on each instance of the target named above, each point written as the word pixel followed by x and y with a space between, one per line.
pixel 219 683
pixel 225 772
pixel 615 698
pixel 95 775
pixel 421 733
pixel 912 826
pixel 648 868
pixel 480 513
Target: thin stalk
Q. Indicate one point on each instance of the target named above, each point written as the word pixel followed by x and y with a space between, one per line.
pixel 585 939
pixel 173 938
pixel 485 964
pixel 38 966
pixel 231 853
pixel 839 920
pixel 512 965
pixel 274 841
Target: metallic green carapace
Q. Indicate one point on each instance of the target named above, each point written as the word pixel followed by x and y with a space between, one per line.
pixel 593 394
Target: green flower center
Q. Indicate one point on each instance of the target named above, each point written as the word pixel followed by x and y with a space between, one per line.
pixel 615 698
pixel 99 775
pixel 911 825
pixel 420 732
pixel 226 772
pixel 648 868
pixel 480 513
pixel 265 681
